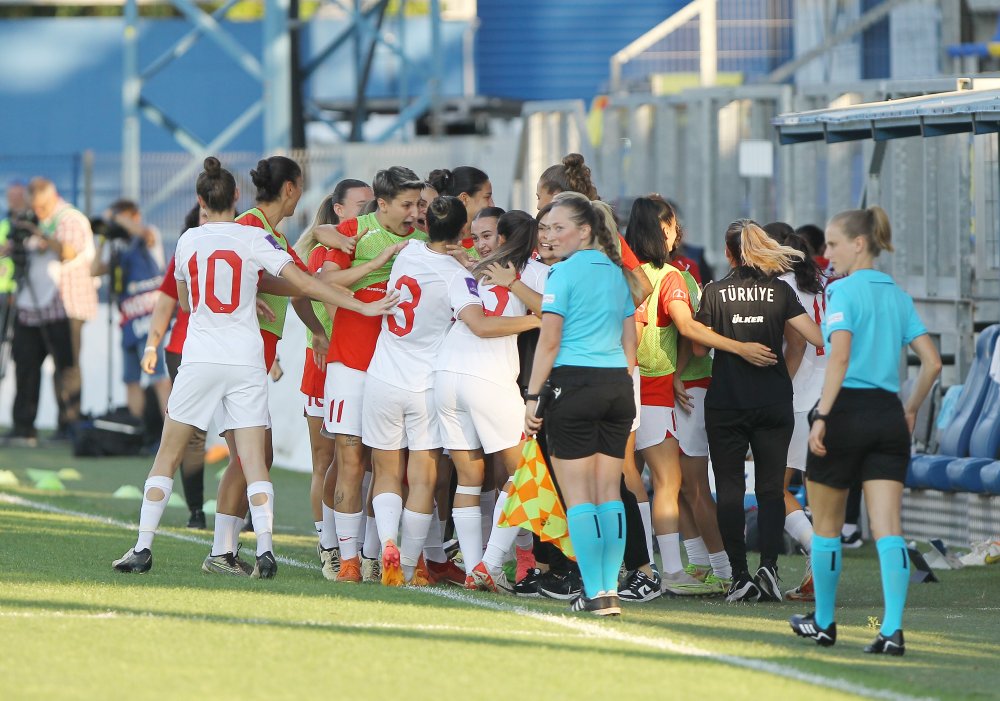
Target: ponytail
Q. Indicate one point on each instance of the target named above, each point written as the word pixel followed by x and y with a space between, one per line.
pixel 324 215
pixel 749 245
pixel 872 224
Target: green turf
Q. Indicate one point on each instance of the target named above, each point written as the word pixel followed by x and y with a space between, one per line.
pixel 70 628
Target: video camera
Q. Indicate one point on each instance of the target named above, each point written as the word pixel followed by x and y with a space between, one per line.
pixel 109 229
pixel 21 229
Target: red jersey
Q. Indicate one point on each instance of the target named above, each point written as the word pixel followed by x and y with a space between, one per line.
pixel 688 265
pixel 179 332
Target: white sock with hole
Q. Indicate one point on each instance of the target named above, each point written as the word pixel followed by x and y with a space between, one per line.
pixel 647 523
pixel 328 533
pixel 262 514
pixel 151 512
pixel 720 565
pixel 222 539
pixel 414 527
pixel 798 526
pixel 696 551
pixel 670 552
pixel 388 508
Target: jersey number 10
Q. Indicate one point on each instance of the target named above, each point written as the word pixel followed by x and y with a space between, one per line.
pixel 212 301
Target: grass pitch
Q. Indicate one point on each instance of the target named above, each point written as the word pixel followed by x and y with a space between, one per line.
pixel 71 628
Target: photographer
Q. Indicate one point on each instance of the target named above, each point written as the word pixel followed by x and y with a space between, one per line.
pixel 132 254
pixel 56 298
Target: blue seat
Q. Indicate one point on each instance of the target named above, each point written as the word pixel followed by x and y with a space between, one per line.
pixel 931 472
pixel 955 438
pixel 990 478
pixel 964 474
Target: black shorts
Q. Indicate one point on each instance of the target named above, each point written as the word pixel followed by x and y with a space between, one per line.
pixel 866 439
pixel 591 411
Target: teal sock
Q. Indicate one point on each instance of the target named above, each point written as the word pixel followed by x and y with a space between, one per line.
pixel 611 514
pixel 826 558
pixel 585 534
pixel 894 561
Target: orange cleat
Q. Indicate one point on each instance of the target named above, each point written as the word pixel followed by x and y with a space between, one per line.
pixel 470 583
pixel 447 572
pixel 421 577
pixel 484 581
pixel 392 570
pixel 350 571
pixel 525 563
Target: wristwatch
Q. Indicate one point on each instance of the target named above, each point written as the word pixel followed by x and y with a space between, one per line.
pixel 815 416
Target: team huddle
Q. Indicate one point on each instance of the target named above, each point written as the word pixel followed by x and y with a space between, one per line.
pixel 424 305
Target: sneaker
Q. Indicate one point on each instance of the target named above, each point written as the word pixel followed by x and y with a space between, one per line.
pixel 720 584
pixel 683 584
pixel 20 439
pixel 266 566
pixel 806 627
pixel 132 561
pixel 392 570
pixel 197 519
pixel 331 562
pixel 640 587
pixel 699 572
pixel 447 572
pixel 767 580
pixel 502 582
pixel 604 604
pixel 350 571
pixel 223 564
pixel 852 541
pixel 743 590
pixel 483 578
pixel 525 562
pixel 563 586
pixel 983 553
pixel 803 592
pixel 371 570
pixel 892 645
pixel 527 585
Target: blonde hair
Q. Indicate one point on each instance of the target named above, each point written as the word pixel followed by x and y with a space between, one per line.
pixel 324 215
pixel 748 244
pixel 598 216
pixel 872 224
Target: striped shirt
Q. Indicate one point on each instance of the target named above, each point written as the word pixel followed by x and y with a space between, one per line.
pixel 77 287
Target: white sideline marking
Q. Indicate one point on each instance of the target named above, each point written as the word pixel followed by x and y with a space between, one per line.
pixel 584 627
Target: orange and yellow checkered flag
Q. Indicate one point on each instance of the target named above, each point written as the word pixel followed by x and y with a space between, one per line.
pixel 533 503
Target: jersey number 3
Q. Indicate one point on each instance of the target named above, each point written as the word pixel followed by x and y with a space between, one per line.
pixel 407 308
pixel 212 301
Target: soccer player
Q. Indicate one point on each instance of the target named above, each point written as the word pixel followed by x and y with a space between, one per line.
pixel 398 409
pixel 485 238
pixel 860 430
pixel 217 270
pixel 470 185
pixel 478 400
pixel 397 194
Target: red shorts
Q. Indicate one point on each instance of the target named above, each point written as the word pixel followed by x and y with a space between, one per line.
pixel 270 348
pixel 313 379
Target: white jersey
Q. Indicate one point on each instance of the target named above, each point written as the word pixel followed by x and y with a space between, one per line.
pixel 807 385
pixel 492 359
pixel 221 264
pixel 434 288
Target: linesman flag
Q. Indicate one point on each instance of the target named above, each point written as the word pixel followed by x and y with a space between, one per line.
pixel 534 503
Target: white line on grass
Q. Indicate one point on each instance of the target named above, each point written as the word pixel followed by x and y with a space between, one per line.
pixel 580 626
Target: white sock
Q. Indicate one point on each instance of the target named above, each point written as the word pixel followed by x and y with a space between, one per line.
pixel 262 514
pixel 696 551
pixel 152 511
pixel 469 532
pixel 370 549
pixel 388 507
pixel 487 502
pixel 319 526
pixel 524 540
pixel 501 540
pixel 236 527
pixel 348 523
pixel 222 541
pixel 647 523
pixel 434 545
pixel 414 527
pixel 366 482
pixel 720 565
pixel 798 526
pixel 363 532
pixel 328 531
pixel 849 529
pixel 670 552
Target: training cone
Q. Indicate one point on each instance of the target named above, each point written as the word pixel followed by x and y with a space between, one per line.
pixel 36 475
pixel 50 484
pixel 8 479
pixel 217 453
pixel 127 491
pixel 209 507
pixel 176 501
pixel 69 474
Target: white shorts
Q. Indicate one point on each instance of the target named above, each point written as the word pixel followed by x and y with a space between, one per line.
pixel 476 413
pixel 638 402
pixel 395 418
pixel 237 392
pixel 656 426
pixel 343 395
pixel 313 406
pixel 798 449
pixel 691 432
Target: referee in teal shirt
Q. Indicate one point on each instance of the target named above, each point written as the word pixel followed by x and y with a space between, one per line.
pixel 860 429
